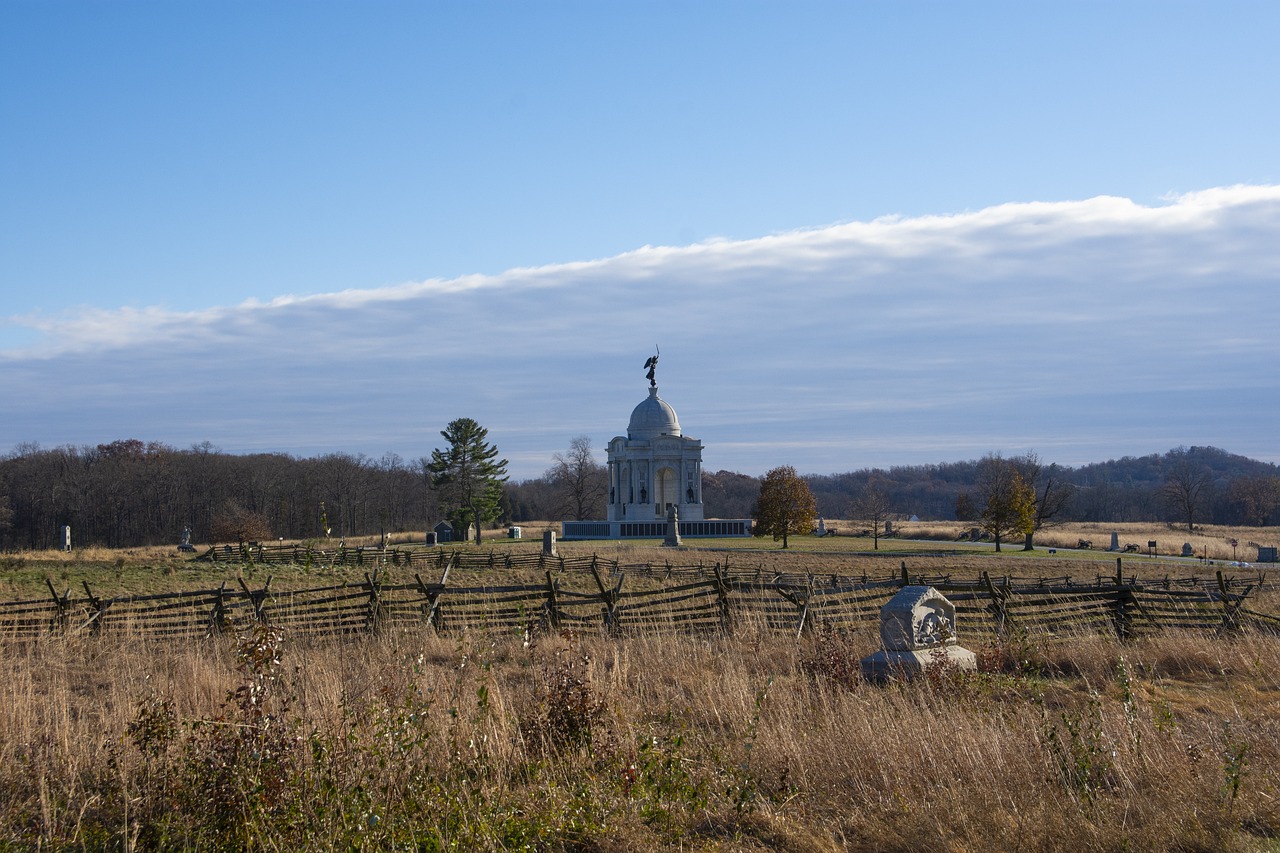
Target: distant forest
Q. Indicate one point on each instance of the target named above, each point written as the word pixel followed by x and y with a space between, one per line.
pixel 131 493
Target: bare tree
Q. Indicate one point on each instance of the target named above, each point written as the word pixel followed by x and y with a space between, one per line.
pixel 579 480
pixel 1050 490
pixel 1257 498
pixel 1187 486
pixel 873 505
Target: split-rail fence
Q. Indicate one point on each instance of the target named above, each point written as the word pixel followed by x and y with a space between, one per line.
pixel 590 594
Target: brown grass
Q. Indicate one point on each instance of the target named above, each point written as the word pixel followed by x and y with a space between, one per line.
pixel 588 743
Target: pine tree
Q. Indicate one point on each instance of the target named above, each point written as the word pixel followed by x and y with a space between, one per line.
pixel 468 475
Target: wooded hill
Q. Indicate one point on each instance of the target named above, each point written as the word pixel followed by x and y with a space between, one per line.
pixel 130 493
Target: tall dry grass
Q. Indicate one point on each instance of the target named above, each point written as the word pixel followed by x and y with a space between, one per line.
pixel 590 743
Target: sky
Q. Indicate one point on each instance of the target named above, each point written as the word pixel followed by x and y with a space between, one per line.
pixel 861 234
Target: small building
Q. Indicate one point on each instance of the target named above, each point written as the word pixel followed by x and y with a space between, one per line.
pixel 445 533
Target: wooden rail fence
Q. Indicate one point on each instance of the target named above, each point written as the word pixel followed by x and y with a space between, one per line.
pixel 587 594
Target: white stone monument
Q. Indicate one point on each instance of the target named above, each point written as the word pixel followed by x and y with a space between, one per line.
pixel 673 528
pixel 917 630
pixel 654 466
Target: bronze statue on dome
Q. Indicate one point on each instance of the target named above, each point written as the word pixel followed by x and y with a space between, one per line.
pixel 650 365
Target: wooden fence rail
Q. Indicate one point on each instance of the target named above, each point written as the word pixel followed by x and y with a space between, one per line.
pixel 687 599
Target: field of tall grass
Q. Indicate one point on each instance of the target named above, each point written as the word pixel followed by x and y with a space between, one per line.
pixel 751 741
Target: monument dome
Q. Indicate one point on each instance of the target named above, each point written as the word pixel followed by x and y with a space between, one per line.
pixel 655 480
pixel 652 418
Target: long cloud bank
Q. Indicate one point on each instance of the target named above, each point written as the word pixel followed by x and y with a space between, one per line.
pixel 1083 330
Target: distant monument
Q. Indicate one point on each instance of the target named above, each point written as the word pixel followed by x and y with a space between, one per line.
pixel 652 470
pixel 654 467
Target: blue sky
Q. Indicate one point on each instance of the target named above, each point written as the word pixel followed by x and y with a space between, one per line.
pixel 862 233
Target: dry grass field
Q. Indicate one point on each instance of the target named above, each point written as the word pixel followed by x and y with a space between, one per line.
pixel 750 741
pixel 746 742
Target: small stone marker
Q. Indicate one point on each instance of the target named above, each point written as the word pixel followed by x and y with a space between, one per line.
pixel 1115 542
pixel 66 537
pixel 1187 550
pixel 673 528
pixel 917 630
pixel 549 543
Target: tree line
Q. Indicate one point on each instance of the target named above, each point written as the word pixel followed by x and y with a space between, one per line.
pixel 131 493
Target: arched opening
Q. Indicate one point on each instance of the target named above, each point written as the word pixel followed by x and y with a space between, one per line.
pixel 666 491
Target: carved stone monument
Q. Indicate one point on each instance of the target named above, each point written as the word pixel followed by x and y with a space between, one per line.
pixel 673 527
pixel 549 543
pixel 917 630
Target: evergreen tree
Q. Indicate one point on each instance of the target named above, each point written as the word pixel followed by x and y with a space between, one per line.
pixel 468 475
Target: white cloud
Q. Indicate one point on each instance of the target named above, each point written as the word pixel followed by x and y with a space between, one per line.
pixel 866 343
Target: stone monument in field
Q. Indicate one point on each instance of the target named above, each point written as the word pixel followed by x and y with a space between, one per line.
pixel 917 630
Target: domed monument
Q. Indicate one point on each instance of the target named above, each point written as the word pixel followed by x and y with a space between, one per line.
pixel 655 474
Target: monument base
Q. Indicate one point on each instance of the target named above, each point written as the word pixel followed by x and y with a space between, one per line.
pixel 719 528
pixel 887 665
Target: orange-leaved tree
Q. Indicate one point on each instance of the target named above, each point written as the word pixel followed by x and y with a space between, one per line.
pixel 785 506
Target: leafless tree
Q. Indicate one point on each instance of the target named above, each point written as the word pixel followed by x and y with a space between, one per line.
pixel 873 505
pixel 1051 491
pixel 1257 498
pixel 1187 486
pixel 579 480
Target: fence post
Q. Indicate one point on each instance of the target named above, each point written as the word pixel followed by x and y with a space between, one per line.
pixel 610 599
pixel 374 611
pixel 722 600
pixel 257 599
pixel 552 607
pixel 998 606
pixel 99 608
pixel 1124 602
pixel 434 610
pixel 1230 608
pixel 218 615
pixel 62 606
pixel 805 623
